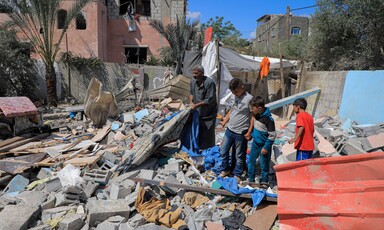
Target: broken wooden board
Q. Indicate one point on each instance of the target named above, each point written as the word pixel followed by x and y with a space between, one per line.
pixel 80 160
pixel 263 218
pixel 102 133
pixel 85 159
pixel 13 140
pixel 22 142
pixel 16 165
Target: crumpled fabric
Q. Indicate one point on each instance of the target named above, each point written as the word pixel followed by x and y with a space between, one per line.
pixel 212 159
pixel 158 211
pixel 230 184
pixel 194 199
pixel 234 221
pixel 190 136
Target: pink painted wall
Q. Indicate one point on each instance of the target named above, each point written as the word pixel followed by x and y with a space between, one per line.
pixel 104 37
pixel 85 43
pixel 118 35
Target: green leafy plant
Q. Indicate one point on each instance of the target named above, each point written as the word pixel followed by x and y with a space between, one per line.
pixel 152 60
pixel 80 63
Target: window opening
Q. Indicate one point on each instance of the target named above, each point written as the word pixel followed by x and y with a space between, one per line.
pixel 61 18
pixel 81 22
pixel 136 55
pixel 295 30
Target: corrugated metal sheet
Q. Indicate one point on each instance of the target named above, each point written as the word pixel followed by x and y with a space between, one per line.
pixel 332 193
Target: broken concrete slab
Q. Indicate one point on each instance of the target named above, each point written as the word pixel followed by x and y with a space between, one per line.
pixel 147 174
pixel 366 129
pixel 71 222
pixel 44 173
pixel 66 198
pixel 289 151
pixel 90 188
pixel 119 191
pixel 136 221
pixel 101 210
pixel 18 216
pixel 324 146
pixel 112 223
pixel 49 203
pixel 53 213
pixel 262 218
pixel 376 141
pixel 41 227
pixel 352 147
pixel 32 198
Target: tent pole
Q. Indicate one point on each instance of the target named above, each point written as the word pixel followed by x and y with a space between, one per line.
pixel 218 65
pixel 282 83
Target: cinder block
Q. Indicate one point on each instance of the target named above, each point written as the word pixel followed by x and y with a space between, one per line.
pixel 65 199
pixel 119 192
pixel 146 174
pixel 98 176
pixel 100 210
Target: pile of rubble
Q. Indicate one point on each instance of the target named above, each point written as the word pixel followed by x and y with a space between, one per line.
pixel 333 137
pixel 131 174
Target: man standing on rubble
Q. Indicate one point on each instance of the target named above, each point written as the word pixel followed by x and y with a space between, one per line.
pixel 203 99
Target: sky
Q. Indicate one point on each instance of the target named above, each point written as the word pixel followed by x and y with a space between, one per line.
pixel 244 13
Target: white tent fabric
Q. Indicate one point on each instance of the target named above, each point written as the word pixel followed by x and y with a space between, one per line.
pixel 210 70
pixel 232 61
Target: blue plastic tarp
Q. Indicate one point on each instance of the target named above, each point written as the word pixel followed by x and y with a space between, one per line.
pixel 230 184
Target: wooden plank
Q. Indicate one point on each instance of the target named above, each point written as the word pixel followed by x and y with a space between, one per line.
pixel 263 218
pixel 197 189
pixel 291 99
pixel 85 160
pixel 76 108
pixel 19 164
pixel 102 133
pixel 12 140
pixel 22 142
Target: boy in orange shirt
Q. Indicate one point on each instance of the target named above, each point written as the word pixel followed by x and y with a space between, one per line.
pixel 304 131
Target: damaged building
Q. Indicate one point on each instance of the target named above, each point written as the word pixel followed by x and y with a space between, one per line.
pixel 117 30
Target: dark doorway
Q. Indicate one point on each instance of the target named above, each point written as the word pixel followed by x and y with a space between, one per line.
pixel 136 55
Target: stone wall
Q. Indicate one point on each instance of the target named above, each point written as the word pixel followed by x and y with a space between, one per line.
pixel 331 85
pixel 114 77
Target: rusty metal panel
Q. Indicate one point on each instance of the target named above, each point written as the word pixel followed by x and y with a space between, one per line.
pixel 332 193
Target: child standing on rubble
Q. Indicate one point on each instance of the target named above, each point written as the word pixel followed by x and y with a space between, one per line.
pixel 304 131
pixel 264 135
pixel 237 132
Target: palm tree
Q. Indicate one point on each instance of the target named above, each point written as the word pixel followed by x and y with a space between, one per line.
pixel 37 20
pixel 178 36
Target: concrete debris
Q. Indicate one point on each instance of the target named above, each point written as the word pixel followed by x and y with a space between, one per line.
pixel 87 172
pixel 18 216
